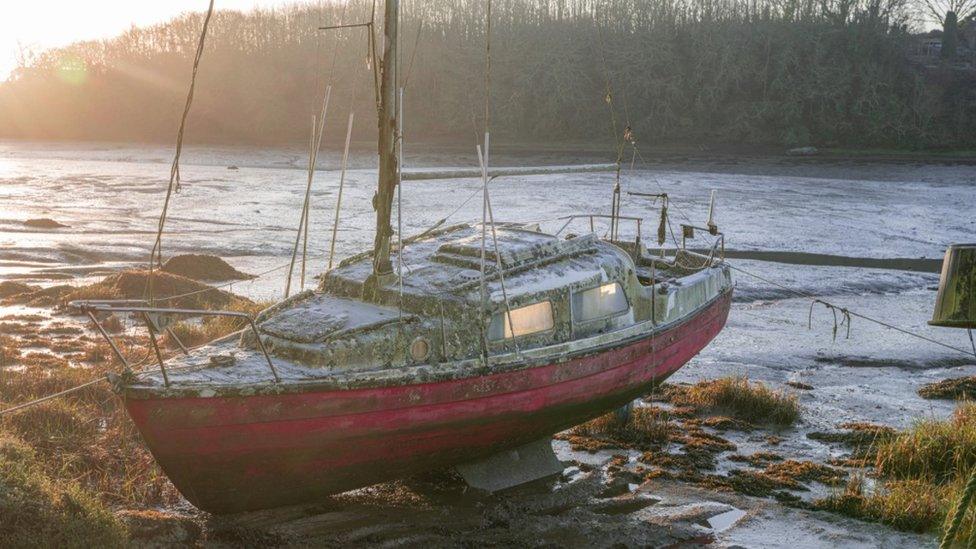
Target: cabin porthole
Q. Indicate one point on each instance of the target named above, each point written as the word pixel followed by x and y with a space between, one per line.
pixel 420 349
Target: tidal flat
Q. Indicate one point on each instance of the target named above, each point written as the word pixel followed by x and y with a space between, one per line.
pixel 855 233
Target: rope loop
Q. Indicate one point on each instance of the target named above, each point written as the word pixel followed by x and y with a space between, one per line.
pixel 845 319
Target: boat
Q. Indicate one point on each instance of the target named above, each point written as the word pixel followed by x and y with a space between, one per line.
pixel 493 337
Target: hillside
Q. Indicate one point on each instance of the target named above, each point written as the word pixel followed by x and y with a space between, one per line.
pixel 800 72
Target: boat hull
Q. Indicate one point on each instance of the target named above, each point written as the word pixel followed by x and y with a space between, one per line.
pixel 236 453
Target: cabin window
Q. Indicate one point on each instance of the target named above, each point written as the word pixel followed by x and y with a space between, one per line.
pixel 525 320
pixel 600 302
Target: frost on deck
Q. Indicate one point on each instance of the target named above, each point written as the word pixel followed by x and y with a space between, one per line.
pixel 334 336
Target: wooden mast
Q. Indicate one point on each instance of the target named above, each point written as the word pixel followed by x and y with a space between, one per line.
pixel 387 143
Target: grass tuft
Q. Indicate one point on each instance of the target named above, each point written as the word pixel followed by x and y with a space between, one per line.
pixel 644 427
pixel 909 505
pixel 932 450
pixel 752 402
pixel 921 474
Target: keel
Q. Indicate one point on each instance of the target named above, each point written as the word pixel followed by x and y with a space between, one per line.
pixel 532 461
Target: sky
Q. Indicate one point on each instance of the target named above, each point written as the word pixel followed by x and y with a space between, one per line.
pixel 42 24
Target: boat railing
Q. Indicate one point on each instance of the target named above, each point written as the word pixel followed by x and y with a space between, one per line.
pixel 155 321
pixel 593 217
pixel 714 254
pixel 718 245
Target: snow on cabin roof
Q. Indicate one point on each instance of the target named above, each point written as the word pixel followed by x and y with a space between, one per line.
pixel 449 262
pixel 516 247
pixel 322 316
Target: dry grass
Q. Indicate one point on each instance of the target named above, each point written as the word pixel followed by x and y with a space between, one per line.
pixel 645 427
pixel 38 511
pixel 921 474
pixel 9 350
pixel 752 402
pixel 85 436
pixel 78 454
pixel 910 505
pixel 937 451
pixel 211 328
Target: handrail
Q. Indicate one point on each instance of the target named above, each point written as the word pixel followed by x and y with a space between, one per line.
pixel 569 219
pixel 687 228
pixel 90 307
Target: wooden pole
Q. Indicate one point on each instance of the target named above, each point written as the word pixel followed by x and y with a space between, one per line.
pixel 386 144
pixel 342 181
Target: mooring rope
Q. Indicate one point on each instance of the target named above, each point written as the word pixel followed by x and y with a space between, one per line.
pixel 849 313
pixel 51 396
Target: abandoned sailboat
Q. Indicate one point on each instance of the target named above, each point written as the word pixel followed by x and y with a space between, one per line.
pixel 470 352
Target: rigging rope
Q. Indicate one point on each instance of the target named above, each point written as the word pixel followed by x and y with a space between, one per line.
pixel 354 94
pixel 498 257
pixel 620 140
pixel 484 159
pixel 315 145
pixel 51 397
pixel 174 173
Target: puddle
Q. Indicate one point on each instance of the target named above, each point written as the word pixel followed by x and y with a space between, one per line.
pixel 724 521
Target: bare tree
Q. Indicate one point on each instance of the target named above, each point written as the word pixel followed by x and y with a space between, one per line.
pixel 936 10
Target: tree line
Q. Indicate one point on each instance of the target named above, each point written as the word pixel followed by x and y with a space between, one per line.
pixel 771 72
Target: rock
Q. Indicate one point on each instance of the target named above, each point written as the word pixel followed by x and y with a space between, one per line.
pixel 800 385
pixel 203 267
pixel 803 151
pixel 43 223
pixel 156 529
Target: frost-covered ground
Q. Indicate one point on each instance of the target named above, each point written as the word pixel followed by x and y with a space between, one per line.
pixel 110 197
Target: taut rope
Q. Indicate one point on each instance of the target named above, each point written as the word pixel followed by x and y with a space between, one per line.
pixel 174 173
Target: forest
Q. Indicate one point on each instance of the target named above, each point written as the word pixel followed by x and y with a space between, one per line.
pixel 828 73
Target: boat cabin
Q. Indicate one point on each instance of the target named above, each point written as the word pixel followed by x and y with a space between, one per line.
pixel 545 296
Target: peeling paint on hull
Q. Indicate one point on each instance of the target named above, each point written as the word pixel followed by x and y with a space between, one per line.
pixel 229 454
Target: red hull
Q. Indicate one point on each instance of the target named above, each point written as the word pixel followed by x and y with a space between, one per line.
pixel 229 454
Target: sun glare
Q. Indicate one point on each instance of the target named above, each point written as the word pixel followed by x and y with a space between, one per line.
pixel 73 70
pixel 28 26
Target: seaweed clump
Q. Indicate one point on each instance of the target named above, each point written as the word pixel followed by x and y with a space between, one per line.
pixel 958 388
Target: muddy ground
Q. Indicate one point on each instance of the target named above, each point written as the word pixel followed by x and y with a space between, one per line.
pixel 887 222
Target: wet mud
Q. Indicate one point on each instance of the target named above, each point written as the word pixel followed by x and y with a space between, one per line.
pixel 867 234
